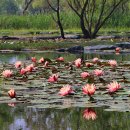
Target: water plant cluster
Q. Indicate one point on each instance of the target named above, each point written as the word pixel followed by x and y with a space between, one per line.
pixel 43 45
pixel 47 83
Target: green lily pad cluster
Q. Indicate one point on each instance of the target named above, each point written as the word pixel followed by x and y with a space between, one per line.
pixel 35 89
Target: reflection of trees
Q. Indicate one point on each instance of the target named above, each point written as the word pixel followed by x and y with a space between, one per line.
pixel 67 56
pixel 54 119
pixel 26 56
pixel 5 116
pixel 49 119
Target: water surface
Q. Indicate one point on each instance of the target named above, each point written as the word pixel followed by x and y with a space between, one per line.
pixel 13 57
pixel 23 117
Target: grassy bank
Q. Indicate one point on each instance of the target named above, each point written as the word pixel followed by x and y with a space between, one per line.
pixel 50 32
pixel 45 22
pixel 49 44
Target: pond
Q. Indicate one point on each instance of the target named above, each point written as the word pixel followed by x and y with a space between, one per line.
pixel 52 112
pixel 23 118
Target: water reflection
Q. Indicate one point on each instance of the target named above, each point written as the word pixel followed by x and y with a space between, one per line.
pixel 12 58
pixel 23 118
pixel 19 124
pixel 11 104
pixel 89 113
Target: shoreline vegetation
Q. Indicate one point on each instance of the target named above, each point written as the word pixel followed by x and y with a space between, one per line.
pixel 54 32
pixel 31 39
pixel 29 43
pixel 29 27
pixel 70 21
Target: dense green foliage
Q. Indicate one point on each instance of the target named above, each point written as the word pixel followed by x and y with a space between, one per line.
pixel 41 21
pixel 45 21
pixel 8 7
pixel 40 16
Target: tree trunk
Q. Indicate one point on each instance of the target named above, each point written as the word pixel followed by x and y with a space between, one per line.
pixel 60 25
pixel 27 4
pixel 61 29
pixel 94 34
pixel 84 30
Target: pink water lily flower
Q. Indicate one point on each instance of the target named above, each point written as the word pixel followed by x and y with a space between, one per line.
pixel 85 75
pixel 88 64
pixel 46 64
pixel 23 71
pixel 112 63
pixel 78 63
pixel 18 64
pixel 12 93
pixel 89 89
pixel 113 87
pixel 60 59
pixel 29 68
pixel 98 72
pixel 89 114
pixel 34 59
pixel 117 50
pixel 41 60
pixel 66 90
pixel 95 60
pixel 53 78
pixel 7 73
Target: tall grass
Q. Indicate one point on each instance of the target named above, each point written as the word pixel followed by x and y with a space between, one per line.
pixel 45 21
pixel 29 21
pixel 41 21
pixel 119 21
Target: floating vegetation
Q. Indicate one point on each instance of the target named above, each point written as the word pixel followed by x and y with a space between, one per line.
pixel 59 84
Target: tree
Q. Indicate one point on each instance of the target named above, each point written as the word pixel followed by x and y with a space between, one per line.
pixel 58 19
pixel 94 13
pixel 40 6
pixel 55 8
pixel 8 7
pixel 27 4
